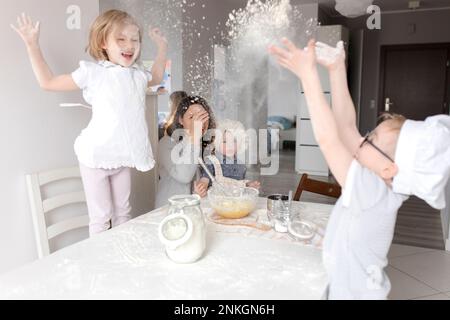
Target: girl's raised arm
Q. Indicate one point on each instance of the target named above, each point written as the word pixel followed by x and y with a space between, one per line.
pixel 159 66
pixel 29 33
pixel 342 105
pixel 303 64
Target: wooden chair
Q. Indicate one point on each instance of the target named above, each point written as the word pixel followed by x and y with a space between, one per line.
pixel 315 186
pixel 40 207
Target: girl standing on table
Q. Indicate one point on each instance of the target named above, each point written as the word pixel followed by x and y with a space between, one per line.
pixel 181 146
pixel 116 138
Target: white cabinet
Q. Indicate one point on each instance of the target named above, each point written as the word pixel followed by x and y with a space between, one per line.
pixel 311 161
pixel 305 133
pixel 308 157
pixel 303 112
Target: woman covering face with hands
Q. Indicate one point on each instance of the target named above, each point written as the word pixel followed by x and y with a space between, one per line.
pixel 181 146
pixel 195 117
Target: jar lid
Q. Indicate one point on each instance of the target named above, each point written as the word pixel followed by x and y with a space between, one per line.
pixel 301 229
pixel 175 230
pixel 185 200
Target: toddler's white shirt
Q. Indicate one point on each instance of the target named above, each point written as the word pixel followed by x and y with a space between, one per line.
pixel 117 135
pixel 358 237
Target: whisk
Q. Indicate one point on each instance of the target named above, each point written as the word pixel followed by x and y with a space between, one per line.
pixel 223 190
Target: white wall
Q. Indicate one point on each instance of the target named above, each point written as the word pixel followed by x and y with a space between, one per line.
pixel 199 40
pixel 445 216
pixel 35 134
pixel 284 87
pixel 283 96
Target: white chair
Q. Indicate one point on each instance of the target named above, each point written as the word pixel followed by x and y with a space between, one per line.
pixel 40 207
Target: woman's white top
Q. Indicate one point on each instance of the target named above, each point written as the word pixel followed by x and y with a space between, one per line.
pixel 117 135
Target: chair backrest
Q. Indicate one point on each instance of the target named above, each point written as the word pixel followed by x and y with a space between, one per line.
pixel 40 207
pixel 315 186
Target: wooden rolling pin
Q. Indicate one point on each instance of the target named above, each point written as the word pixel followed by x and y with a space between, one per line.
pixel 239 222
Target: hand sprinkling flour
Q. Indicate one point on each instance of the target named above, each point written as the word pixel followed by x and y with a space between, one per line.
pixel 330 56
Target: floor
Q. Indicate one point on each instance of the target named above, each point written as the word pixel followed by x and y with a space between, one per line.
pixel 419 225
pixel 418 273
pixel 418 268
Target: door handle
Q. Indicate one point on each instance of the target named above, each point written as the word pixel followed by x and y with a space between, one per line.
pixel 387 104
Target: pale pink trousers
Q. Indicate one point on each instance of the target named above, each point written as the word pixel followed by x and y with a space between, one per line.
pixel 107 196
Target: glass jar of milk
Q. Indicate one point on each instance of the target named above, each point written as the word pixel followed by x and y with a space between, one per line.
pixel 183 231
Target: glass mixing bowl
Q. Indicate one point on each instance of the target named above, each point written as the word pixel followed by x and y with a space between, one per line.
pixel 237 203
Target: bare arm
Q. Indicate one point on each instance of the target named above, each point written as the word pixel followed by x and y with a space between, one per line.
pixel 325 128
pixel 159 66
pixel 47 81
pixel 302 63
pixel 342 105
pixel 44 75
pixel 201 187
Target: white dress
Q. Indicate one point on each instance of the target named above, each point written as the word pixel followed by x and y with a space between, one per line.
pixel 117 135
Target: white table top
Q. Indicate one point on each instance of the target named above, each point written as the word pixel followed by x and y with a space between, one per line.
pixel 129 262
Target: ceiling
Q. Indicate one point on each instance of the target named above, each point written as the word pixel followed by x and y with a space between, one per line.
pixel 389 5
pixel 385 5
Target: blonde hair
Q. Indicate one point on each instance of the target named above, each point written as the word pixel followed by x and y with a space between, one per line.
pixel 237 129
pixel 394 123
pixel 102 28
pixel 395 120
